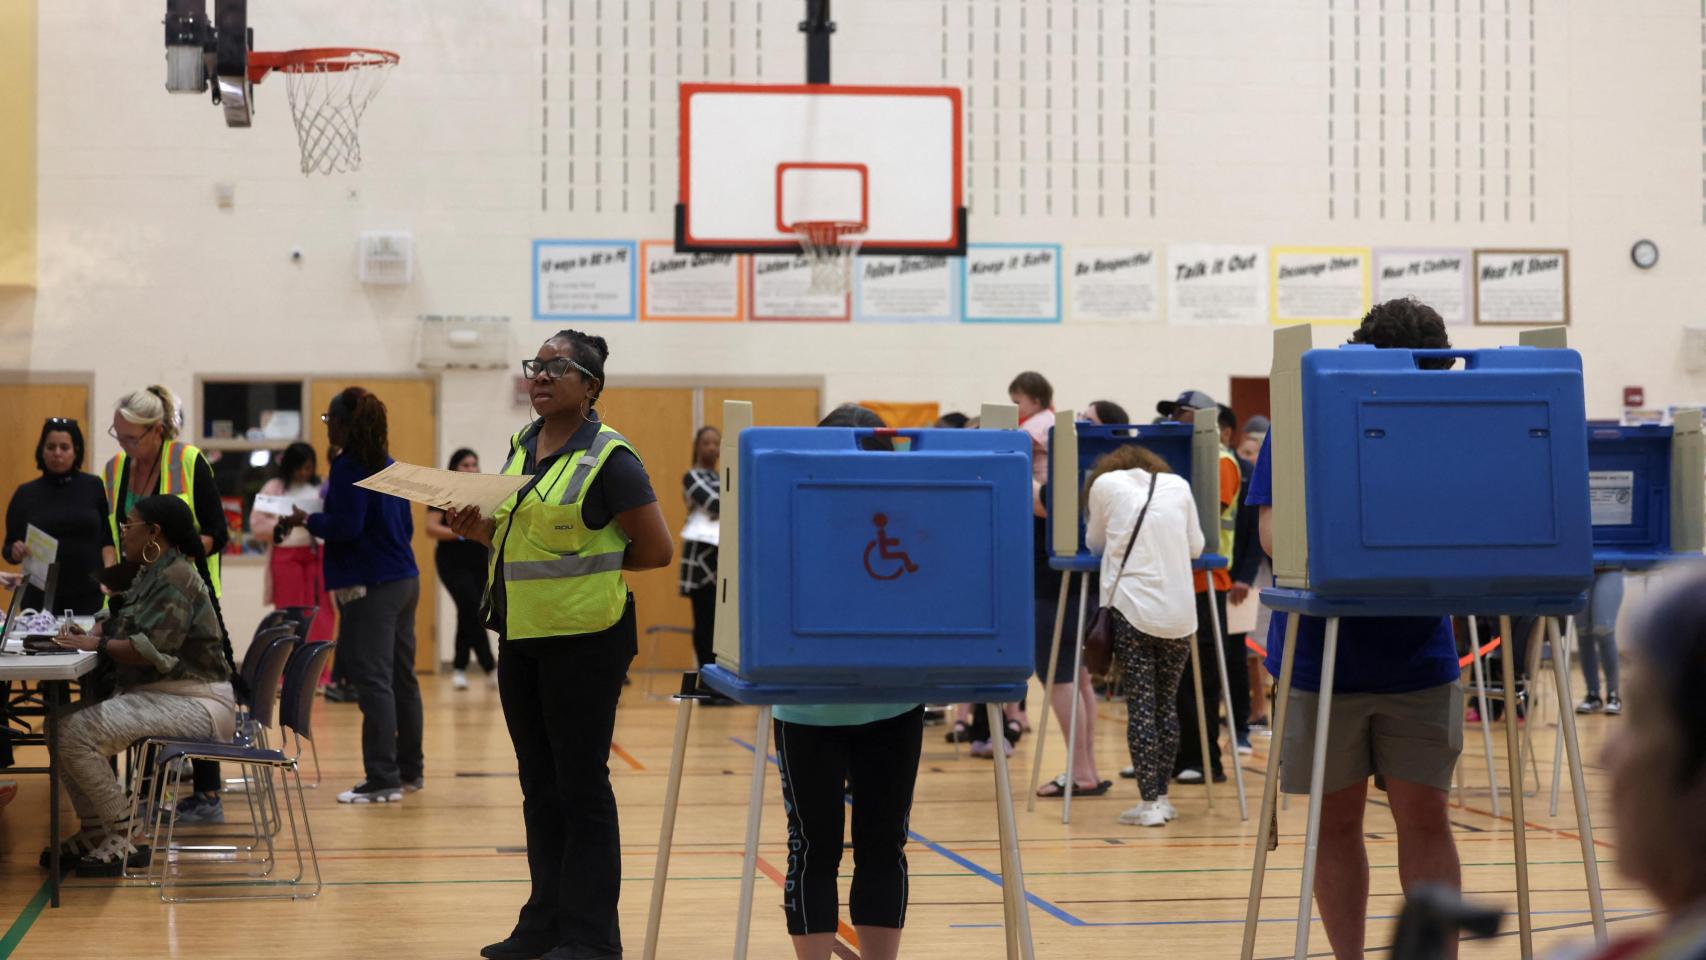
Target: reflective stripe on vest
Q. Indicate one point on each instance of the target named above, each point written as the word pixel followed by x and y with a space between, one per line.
pixel 560 578
pixel 1229 515
pixel 177 479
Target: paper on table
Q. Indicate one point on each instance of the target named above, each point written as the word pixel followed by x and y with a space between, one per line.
pixel 44 550
pixel 283 506
pixel 444 488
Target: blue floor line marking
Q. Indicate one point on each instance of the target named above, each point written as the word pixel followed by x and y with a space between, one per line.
pixel 952 857
pixel 1240 921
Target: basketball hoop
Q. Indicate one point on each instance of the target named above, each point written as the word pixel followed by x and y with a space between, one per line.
pixel 829 246
pixel 329 88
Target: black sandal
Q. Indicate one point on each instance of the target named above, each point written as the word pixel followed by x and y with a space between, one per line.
pixel 960 734
pixel 1013 731
pixel 1057 788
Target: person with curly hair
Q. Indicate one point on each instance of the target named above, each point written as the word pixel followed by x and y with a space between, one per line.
pixel 1397 706
pixel 370 571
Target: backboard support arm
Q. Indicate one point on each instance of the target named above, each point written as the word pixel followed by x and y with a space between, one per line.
pixel 818 28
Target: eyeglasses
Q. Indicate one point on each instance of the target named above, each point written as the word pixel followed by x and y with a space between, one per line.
pixel 554 368
pixel 61 422
pixel 123 440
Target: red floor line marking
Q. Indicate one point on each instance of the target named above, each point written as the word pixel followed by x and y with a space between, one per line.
pixel 846 932
pixel 627 757
pixel 1529 825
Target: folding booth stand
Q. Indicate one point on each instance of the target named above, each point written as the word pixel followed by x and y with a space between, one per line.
pixel 1374 516
pixel 1193 452
pixel 850 575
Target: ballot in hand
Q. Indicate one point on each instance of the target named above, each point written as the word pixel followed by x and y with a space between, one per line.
pixel 470 525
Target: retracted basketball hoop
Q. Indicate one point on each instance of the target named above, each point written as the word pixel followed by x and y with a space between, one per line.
pixel 328 88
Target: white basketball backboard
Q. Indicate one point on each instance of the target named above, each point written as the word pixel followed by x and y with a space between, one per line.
pixel 758 159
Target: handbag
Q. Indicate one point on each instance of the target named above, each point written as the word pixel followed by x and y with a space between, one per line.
pixel 1099 635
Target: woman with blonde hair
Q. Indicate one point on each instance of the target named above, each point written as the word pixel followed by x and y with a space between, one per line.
pixel 1143 521
pixel 153 461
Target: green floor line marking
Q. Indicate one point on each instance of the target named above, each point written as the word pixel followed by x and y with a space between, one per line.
pixel 27 917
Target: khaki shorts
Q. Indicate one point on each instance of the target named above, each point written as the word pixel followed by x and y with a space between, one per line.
pixel 1401 736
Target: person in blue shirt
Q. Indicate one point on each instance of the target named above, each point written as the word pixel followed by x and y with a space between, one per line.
pixel 370 570
pixel 1397 707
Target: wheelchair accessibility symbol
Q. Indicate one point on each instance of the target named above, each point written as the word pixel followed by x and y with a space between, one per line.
pixel 884 547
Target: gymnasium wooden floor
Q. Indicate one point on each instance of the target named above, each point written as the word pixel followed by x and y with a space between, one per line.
pixel 443 873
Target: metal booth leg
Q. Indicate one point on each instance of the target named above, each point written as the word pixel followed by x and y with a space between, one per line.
pixel 1317 786
pixel 754 818
pixel 1048 690
pixel 666 832
pixel 1202 720
pixel 1266 828
pixel 1226 700
pixel 1072 727
pixel 1578 784
pixel 1486 716
pixel 1561 649
pixel 1519 825
pixel 1018 914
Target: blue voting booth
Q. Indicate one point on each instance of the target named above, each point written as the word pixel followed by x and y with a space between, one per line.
pixel 877 575
pixel 1169 441
pixel 1644 489
pixel 1427 483
pixel 1445 483
pixel 855 569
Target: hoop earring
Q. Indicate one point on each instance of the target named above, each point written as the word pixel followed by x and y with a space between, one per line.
pixel 588 413
pixel 158 550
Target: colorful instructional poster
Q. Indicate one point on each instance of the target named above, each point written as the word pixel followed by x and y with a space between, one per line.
pixel 781 290
pixel 1318 284
pixel 1527 287
pixel 583 279
pixel 1442 279
pixel 691 287
pixel 1011 283
pixel 1217 285
pixel 1115 284
pixel 906 290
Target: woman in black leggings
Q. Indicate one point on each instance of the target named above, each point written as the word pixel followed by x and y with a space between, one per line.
pixel 462 569
pixel 702 491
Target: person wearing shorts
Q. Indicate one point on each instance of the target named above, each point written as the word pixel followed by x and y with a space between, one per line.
pixel 1397 711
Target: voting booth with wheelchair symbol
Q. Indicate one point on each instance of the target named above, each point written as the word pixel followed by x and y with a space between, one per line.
pixel 849 573
pixel 1381 508
pixel 1193 452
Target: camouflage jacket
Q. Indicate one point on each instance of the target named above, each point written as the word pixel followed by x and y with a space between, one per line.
pixel 169 619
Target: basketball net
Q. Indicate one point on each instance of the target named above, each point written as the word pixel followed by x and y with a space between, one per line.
pixel 830 246
pixel 328 94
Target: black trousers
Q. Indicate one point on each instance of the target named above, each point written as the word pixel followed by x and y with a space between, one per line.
pixel 704 600
pixel 376 644
pixel 467 588
pixel 1190 740
pixel 559 698
pixel 879 762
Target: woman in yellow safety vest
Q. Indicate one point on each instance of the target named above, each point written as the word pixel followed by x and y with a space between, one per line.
pixel 152 460
pixel 565 623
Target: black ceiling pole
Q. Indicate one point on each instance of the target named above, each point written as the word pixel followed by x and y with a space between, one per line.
pixel 817 27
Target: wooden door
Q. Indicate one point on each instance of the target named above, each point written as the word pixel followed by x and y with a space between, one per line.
pixel 1249 398
pixel 411 413
pixel 658 421
pixel 23 407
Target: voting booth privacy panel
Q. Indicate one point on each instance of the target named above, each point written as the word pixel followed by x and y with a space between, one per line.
pixel 1645 489
pixel 1190 451
pixel 1458 482
pixel 876 575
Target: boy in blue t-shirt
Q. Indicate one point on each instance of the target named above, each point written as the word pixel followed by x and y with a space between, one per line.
pixel 1397 708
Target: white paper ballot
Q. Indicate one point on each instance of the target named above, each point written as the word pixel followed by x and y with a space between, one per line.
pixel 444 488
pixel 284 506
pixel 44 550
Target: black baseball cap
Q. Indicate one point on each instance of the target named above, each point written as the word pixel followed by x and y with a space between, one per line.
pixel 1190 399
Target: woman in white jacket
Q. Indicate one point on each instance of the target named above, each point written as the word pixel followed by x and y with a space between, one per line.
pixel 1146 582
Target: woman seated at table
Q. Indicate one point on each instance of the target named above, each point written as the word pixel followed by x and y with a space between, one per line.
pixel 167 639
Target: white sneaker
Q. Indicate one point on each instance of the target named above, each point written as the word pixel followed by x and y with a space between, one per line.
pixel 459 679
pixel 1145 814
pixel 365 793
pixel 1167 807
pixel 1189 775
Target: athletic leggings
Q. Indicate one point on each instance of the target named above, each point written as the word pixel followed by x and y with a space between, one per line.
pixel 878 764
pixel 1151 667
